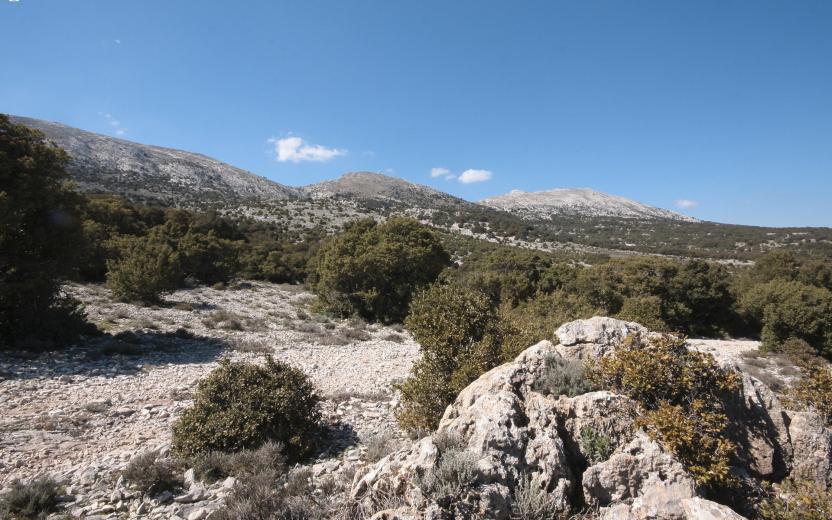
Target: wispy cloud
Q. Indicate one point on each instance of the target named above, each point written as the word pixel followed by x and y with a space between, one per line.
pixel 294 149
pixel 687 203
pixel 117 41
pixel 471 176
pixel 118 128
pixel 439 172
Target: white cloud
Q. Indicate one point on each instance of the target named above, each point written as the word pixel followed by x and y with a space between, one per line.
pixel 117 41
pixel 294 149
pixel 469 176
pixel 118 129
pixel 687 203
pixel 439 172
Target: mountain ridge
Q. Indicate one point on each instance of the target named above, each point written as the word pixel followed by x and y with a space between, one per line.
pixel 588 202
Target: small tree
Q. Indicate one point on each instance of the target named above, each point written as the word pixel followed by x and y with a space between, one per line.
pixel 373 270
pixel 146 268
pixel 454 327
pixel 39 235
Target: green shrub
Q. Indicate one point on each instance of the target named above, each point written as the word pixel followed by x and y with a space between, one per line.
pixel 373 270
pixel 451 324
pixel 30 500
pixel 207 258
pixel 597 447
pixel 150 474
pixel 788 309
pixel 147 268
pixel 563 377
pixel 646 310
pixel 243 405
pixel 682 395
pixel 455 471
pixel 40 234
pixel 814 391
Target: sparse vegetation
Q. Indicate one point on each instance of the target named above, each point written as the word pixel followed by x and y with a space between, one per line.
pixel 814 391
pixel 797 500
pixel 596 446
pixel 563 377
pixel 532 501
pixel 151 474
pixel 454 473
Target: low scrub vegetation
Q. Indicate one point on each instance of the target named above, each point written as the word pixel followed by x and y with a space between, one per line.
pixel 243 405
pixel 563 377
pixel 682 395
pixel 454 473
pixel 151 474
pixel 30 500
pixel 797 500
pixel 814 391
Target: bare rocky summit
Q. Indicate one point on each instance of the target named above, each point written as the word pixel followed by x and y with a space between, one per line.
pixel 582 202
pixel 370 186
pixel 102 164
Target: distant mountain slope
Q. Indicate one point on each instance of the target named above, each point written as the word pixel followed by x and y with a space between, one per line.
pixel 102 164
pixel 369 186
pixel 584 202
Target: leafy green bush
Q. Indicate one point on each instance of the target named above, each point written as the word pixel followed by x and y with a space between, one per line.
pixel 147 268
pixel 790 309
pixel 39 236
pixel 35 499
pixel 243 405
pixel 451 324
pixel 373 270
pixel 150 474
pixel 682 394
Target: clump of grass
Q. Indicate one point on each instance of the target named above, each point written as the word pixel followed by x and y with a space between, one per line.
pixel 455 471
pixel 394 337
pixel 151 475
pixel 34 499
pixel 216 465
pixel 356 334
pixel 225 320
pixel 532 502
pixel 254 347
pixel 379 446
pixel 563 377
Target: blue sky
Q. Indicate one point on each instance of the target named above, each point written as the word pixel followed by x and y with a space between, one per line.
pixel 724 104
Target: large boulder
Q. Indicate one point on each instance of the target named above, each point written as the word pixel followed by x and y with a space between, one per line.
pixel 511 432
pixel 812 447
pixel 641 479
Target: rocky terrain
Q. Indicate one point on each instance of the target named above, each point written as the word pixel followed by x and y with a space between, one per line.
pixel 584 202
pixel 519 439
pixel 82 413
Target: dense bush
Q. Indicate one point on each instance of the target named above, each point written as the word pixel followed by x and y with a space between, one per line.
pixel 243 405
pixel 35 499
pixel 790 309
pixel 682 393
pixel 373 270
pixel 39 235
pixel 147 267
pixel 452 325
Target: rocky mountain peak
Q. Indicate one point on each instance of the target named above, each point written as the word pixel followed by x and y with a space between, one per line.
pixel 578 202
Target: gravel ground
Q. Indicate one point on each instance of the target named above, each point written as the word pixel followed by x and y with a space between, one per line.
pixel 67 412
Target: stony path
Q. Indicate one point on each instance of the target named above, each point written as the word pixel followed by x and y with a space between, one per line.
pixel 84 410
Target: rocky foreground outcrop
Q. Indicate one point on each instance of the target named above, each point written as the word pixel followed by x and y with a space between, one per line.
pixel 518 438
